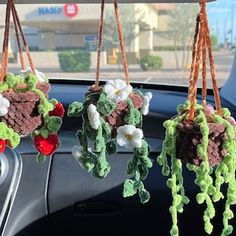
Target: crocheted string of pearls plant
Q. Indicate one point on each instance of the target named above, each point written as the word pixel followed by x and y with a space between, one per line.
pixel 112 115
pixel 24 107
pixel 204 138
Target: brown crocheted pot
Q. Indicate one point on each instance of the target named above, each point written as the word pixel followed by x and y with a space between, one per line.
pixel 116 118
pixel 189 136
pixel 23 116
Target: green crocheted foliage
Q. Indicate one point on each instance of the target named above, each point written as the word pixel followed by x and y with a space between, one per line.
pixel 111 147
pixel 210 190
pixel 138 166
pixel 134 117
pixel 105 106
pixel 9 135
pixel 53 124
pixel 76 109
pixel 95 159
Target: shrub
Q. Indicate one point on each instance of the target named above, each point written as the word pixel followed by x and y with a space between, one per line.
pixel 75 60
pixel 151 62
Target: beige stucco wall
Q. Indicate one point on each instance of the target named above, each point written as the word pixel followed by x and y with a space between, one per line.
pixel 86 22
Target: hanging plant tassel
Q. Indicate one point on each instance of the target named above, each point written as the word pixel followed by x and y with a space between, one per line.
pixel 24 106
pixel 112 115
pixel 203 138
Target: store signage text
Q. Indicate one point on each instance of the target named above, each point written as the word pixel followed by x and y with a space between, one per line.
pixel 69 10
pixel 49 10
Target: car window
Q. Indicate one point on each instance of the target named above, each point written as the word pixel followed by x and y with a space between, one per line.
pixel 158 37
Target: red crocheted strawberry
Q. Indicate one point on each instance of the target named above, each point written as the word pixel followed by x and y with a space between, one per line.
pixel 2 145
pixel 46 146
pixel 58 110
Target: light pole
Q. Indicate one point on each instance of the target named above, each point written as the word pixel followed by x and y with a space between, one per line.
pixel 232 25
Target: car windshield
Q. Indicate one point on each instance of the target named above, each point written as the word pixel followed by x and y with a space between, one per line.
pixel 158 37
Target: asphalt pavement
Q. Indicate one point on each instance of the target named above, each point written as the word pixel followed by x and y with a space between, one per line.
pixel 223 63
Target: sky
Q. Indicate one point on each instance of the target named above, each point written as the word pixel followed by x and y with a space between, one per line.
pixel 220 18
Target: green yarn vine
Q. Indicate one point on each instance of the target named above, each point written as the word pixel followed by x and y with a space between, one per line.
pixel 210 189
pixel 105 120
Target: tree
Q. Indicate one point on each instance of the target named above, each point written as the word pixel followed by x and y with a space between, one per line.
pixel 214 41
pixel 129 20
pixel 181 25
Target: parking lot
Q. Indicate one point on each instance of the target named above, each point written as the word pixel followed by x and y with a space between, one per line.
pixel 223 65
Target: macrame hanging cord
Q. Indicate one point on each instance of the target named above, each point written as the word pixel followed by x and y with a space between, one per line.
pixel 202 46
pixel 121 40
pixel 10 8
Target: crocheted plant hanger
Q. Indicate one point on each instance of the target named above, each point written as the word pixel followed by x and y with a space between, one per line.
pixel 203 138
pixel 24 107
pixel 112 115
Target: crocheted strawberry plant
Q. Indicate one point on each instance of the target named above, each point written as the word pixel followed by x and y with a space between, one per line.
pixel 18 117
pixel 24 105
pixel 112 115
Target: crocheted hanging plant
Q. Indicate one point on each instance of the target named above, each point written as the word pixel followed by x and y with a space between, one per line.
pixel 24 107
pixel 204 139
pixel 112 115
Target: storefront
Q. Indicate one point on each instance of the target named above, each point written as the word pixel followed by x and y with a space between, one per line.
pixel 58 27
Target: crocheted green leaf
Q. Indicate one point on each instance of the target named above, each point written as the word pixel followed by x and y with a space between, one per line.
pixel 75 109
pixel 129 189
pixel 132 165
pixel 143 170
pixel 3 87
pixel 88 160
pixel 144 196
pixel 9 134
pixel 90 132
pixel 54 123
pixel 134 117
pixel 44 107
pixel 106 131
pixel 111 147
pixel 105 106
pixel 31 81
pixel 82 139
pixel 44 133
pixel 40 158
pixel 11 80
pixel 102 168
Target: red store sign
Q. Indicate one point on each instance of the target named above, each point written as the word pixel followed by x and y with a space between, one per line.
pixel 71 10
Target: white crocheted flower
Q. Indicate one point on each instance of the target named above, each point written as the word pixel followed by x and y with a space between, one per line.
pixel 129 136
pixel 40 75
pixel 4 105
pixel 117 90
pixel 146 103
pixel 93 116
pixel 77 153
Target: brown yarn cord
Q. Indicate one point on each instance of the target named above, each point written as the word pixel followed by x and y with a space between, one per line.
pixel 194 53
pixel 5 43
pixel 213 75
pixel 203 42
pixel 196 74
pixel 19 32
pixel 121 39
pixel 204 72
pixel 18 41
pixel 14 12
pixel 101 25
